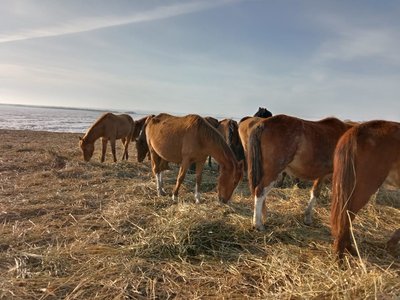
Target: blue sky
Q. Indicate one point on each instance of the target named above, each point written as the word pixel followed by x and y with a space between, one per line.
pixel 309 59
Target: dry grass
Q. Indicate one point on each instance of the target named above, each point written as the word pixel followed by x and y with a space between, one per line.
pixel 78 230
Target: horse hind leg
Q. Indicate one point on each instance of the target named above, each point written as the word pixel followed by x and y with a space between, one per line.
pixel 181 176
pixel 314 195
pixel 259 206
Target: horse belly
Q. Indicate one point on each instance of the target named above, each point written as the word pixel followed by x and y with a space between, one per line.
pixel 168 149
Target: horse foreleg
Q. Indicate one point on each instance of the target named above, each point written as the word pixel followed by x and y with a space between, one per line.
pixel 125 143
pixel 103 149
pixel 181 176
pixel 259 211
pixel 157 171
pixel 199 173
pixel 314 195
pixel 112 142
pixel 391 244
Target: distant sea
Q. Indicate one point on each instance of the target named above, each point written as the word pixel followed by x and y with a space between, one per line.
pixel 51 118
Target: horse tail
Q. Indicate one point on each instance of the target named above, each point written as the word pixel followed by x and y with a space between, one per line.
pixel 254 161
pixel 343 182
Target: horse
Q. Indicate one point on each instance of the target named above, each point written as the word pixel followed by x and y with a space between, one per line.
pixel 185 140
pixel 246 124
pixel 263 113
pixel 366 156
pixel 141 142
pixel 214 123
pixel 109 127
pixel 299 147
pixel 230 131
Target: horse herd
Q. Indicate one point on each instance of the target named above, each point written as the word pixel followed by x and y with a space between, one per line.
pixel 361 157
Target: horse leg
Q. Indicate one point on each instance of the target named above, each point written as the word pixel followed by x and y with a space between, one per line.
pixel 103 149
pixel 112 142
pixel 199 173
pixel 181 176
pixel 314 195
pixel 125 143
pixel 259 203
pixel 391 244
pixel 157 171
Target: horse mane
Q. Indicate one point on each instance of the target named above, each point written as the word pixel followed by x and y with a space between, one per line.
pixel 343 181
pixel 95 124
pixel 254 160
pixel 208 132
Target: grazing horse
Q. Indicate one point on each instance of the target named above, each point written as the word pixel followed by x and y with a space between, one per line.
pixel 263 113
pixel 186 140
pixel 214 123
pixel 366 156
pixel 109 127
pixel 229 130
pixel 299 147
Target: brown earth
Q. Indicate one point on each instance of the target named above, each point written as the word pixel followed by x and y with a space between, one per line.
pixel 76 230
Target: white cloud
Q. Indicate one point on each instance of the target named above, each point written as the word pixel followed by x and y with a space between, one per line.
pixel 94 23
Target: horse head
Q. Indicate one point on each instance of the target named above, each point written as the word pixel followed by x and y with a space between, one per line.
pixel 228 181
pixel 87 148
pixel 263 113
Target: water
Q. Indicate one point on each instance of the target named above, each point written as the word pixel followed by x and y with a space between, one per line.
pixel 50 119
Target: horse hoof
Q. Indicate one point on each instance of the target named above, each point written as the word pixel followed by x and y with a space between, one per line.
pixel 260 228
pixel 174 197
pixel 162 193
pixel 308 221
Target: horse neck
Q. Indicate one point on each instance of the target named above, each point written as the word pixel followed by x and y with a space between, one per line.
pixel 96 131
pixel 220 152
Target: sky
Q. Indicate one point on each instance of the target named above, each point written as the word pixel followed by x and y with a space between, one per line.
pixel 223 58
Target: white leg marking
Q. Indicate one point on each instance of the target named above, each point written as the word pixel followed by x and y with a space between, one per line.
pixel 197 194
pixel 309 210
pixel 159 181
pixel 258 207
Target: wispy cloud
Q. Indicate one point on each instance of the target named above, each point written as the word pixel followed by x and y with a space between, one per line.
pixel 351 42
pixel 95 23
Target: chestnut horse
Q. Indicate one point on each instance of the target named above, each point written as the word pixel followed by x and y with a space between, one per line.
pixel 366 156
pixel 245 126
pixel 186 140
pixel 299 147
pixel 229 130
pixel 109 127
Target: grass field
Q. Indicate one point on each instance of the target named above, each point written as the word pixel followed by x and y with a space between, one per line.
pixel 76 230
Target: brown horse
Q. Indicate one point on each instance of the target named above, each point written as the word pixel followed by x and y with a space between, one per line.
pixel 245 126
pixel 230 131
pixel 186 140
pixel 109 127
pixel 366 156
pixel 299 147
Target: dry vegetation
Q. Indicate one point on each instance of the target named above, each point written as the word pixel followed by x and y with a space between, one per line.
pixel 78 230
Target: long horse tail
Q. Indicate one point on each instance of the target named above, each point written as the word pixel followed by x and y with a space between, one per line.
pixel 254 161
pixel 343 182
